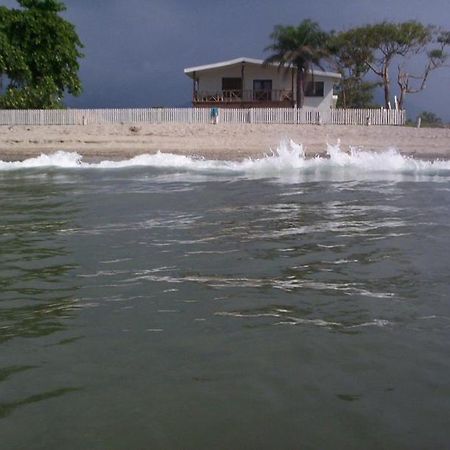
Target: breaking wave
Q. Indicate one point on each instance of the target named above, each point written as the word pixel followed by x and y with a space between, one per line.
pixel 288 159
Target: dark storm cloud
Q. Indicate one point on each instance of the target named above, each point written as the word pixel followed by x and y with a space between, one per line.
pixel 136 49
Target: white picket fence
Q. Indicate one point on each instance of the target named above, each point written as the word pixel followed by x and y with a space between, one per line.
pixel 202 115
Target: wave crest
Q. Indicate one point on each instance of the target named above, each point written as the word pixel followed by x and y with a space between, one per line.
pixel 288 159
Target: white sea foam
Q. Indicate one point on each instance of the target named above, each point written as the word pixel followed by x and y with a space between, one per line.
pixel 287 160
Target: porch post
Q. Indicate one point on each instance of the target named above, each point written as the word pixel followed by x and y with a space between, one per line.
pixel 292 84
pixel 194 90
pixel 242 79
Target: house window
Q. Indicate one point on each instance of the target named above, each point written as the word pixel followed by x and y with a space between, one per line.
pixel 314 89
pixel 262 90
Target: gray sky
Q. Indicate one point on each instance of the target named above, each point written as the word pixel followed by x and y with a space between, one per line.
pixel 136 50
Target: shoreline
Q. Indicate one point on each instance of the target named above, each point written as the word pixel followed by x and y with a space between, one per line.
pixel 222 141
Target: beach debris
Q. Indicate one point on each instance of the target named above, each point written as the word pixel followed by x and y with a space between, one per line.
pixel 134 129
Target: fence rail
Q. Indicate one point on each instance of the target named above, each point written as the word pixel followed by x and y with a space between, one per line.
pixel 202 115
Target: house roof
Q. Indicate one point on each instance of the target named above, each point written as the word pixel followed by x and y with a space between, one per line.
pixel 189 71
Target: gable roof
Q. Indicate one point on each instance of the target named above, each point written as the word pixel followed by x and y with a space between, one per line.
pixel 189 71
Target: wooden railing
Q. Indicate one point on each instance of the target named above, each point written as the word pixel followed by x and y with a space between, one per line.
pixel 243 95
pixel 203 115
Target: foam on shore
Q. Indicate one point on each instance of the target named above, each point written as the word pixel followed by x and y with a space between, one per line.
pixel 288 159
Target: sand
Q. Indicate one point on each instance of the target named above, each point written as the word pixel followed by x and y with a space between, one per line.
pixel 222 141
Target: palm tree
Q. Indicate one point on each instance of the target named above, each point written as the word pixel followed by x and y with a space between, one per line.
pixel 302 47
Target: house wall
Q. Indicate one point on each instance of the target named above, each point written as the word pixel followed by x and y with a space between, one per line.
pixel 211 81
pixel 327 99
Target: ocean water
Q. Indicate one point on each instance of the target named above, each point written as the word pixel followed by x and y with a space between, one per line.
pixel 168 302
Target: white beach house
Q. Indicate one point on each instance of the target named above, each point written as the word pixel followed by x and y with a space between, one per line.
pixel 246 82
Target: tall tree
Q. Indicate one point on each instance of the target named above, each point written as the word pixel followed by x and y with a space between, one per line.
pixel 390 40
pixel 49 50
pixel 351 58
pixel 436 58
pixel 303 47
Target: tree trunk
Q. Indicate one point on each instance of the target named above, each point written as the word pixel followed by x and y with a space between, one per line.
pixel 300 87
pixel 401 97
pixel 386 83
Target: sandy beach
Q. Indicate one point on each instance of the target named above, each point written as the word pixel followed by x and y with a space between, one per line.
pixel 222 141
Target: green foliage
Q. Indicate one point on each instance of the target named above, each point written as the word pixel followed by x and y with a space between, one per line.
pixel 302 46
pixel 387 40
pixel 351 52
pixel 12 62
pixel 12 59
pixel 444 37
pixel 356 93
pixel 351 58
pixel 375 48
pixel 39 53
pixel 40 96
pixel 43 5
pixel 430 119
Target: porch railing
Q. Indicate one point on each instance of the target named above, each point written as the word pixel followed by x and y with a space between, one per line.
pixel 244 95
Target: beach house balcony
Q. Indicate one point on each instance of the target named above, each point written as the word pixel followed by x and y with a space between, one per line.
pixel 250 83
pixel 246 98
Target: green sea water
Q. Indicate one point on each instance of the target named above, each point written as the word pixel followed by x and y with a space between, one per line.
pixel 172 308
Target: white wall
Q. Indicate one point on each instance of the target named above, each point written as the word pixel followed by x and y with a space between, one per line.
pixel 327 99
pixel 211 80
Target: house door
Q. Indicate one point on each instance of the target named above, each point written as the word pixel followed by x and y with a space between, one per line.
pixel 262 90
pixel 232 88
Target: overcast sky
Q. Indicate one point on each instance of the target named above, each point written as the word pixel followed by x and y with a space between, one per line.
pixel 136 50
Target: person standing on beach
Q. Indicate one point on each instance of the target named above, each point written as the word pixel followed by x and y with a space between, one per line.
pixel 215 115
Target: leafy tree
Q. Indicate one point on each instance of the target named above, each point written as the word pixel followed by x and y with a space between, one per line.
pixel 430 119
pixel 375 48
pixel 388 41
pixel 302 46
pixel 436 58
pixel 39 55
pixel 351 59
